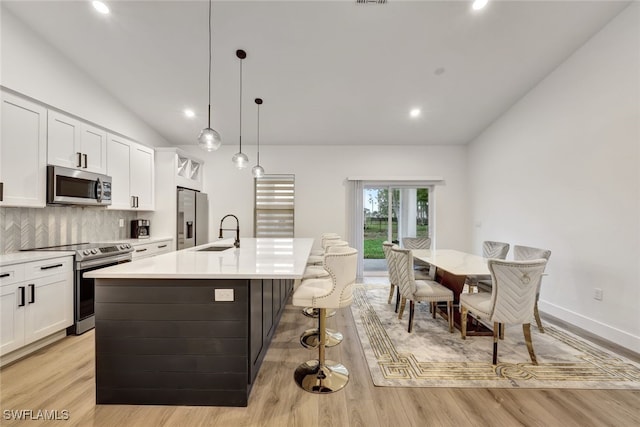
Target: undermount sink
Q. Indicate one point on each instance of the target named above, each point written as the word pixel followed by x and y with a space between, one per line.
pixel 215 248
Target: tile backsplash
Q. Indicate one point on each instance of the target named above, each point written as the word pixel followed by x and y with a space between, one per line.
pixel 26 228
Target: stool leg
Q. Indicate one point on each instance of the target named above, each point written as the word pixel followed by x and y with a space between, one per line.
pixel 321 375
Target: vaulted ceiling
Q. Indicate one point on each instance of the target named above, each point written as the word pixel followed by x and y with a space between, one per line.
pixel 330 72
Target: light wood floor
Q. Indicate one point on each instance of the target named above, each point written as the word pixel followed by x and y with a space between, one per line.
pixel 61 377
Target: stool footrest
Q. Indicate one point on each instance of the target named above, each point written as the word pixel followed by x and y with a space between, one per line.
pixel 311 338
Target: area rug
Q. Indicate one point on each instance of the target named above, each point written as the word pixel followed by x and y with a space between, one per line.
pixel 432 357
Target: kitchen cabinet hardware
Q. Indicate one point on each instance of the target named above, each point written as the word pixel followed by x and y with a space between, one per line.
pixel 48 267
pixel 32 288
pixel 5 275
pixel 1 191
pixel 162 246
pixel 21 296
pixel 141 250
pixel 85 157
pixel 79 163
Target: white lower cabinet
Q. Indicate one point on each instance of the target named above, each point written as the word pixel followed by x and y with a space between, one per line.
pixel 36 300
pixel 149 249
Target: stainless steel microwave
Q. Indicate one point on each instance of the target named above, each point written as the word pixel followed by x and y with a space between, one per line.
pixel 67 186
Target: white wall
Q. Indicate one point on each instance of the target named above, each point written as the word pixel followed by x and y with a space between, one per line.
pixel 561 170
pixel 321 186
pixel 32 67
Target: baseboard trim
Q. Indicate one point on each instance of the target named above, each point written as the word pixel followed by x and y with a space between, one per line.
pixel 595 330
pixel 15 355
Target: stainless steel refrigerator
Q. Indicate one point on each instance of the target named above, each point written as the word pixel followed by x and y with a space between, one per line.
pixel 193 218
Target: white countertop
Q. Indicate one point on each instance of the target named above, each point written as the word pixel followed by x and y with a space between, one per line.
pixel 256 258
pixel 28 256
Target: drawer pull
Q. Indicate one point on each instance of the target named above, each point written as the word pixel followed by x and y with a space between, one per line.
pixel 141 250
pixel 21 296
pixel 32 288
pixel 5 275
pixel 162 246
pixel 48 267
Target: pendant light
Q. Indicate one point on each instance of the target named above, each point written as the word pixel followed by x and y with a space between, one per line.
pixel 257 170
pixel 240 159
pixel 209 139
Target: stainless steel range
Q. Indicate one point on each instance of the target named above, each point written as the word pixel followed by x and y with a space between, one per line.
pixel 88 257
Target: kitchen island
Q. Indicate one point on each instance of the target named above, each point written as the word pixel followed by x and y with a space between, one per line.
pixel 192 327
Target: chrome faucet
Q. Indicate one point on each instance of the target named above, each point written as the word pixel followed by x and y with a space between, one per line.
pixel 237 242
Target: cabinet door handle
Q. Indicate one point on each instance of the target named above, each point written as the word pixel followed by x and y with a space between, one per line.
pixel 32 288
pixel 137 202
pixel 162 246
pixel 21 296
pixel 133 201
pixel 1 191
pixel 141 250
pixel 79 165
pixel 84 157
pixel 48 267
pixel 5 275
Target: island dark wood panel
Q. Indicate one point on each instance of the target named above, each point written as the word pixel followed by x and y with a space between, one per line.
pixel 168 342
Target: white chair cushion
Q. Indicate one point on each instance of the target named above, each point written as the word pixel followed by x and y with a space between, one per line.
pixel 310 289
pixel 315 272
pixel 479 304
pixel 428 290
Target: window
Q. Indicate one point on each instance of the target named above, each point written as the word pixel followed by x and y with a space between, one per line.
pixel 274 206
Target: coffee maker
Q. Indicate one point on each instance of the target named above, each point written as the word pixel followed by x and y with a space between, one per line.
pixel 140 228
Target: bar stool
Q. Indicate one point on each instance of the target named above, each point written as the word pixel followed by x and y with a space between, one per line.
pixel 321 375
pixel 315 270
pixel 325 236
pixel 311 337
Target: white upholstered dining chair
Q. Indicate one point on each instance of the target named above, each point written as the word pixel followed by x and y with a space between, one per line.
pixel 418 290
pixel 511 300
pixel 521 253
pixel 490 250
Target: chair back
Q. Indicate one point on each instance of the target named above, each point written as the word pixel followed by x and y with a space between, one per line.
pixel 326 240
pixel 513 294
pixel 386 248
pixel 341 263
pixel 521 253
pixel 403 259
pixel 334 242
pixel 494 250
pixel 416 242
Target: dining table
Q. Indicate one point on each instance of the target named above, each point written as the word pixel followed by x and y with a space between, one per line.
pixel 452 269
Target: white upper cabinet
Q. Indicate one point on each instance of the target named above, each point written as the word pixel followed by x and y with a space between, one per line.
pixel 131 167
pixel 23 152
pixel 75 144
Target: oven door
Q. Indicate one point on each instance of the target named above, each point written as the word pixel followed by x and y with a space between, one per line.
pixel 84 292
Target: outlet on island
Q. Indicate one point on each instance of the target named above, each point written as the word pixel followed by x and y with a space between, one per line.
pixel 223 295
pixel 121 222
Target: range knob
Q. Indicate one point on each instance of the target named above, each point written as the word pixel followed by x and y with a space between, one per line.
pixel 86 252
pixel 94 251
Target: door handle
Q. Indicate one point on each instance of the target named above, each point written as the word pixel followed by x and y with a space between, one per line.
pixel 1 191
pixel 21 296
pixel 32 288
pixel 79 165
pixel 133 201
pixel 84 156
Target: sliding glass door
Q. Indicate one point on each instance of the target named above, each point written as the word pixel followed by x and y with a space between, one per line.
pixel 391 213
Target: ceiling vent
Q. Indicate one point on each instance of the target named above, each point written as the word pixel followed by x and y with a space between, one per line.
pixel 371 1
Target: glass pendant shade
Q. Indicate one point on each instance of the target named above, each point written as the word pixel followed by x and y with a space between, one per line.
pixel 257 171
pixel 209 139
pixel 240 160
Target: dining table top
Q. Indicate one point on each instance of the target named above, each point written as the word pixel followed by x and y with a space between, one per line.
pixel 455 262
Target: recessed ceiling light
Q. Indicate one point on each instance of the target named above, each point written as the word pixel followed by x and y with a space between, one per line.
pixel 415 112
pixel 100 7
pixel 479 4
pixel 189 113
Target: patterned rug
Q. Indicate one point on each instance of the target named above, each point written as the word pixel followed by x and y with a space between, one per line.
pixel 432 357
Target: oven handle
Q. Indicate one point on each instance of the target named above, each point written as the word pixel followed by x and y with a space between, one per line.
pixel 104 261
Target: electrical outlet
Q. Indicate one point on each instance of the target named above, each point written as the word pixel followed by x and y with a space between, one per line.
pixel 121 222
pixel 223 295
pixel 597 294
